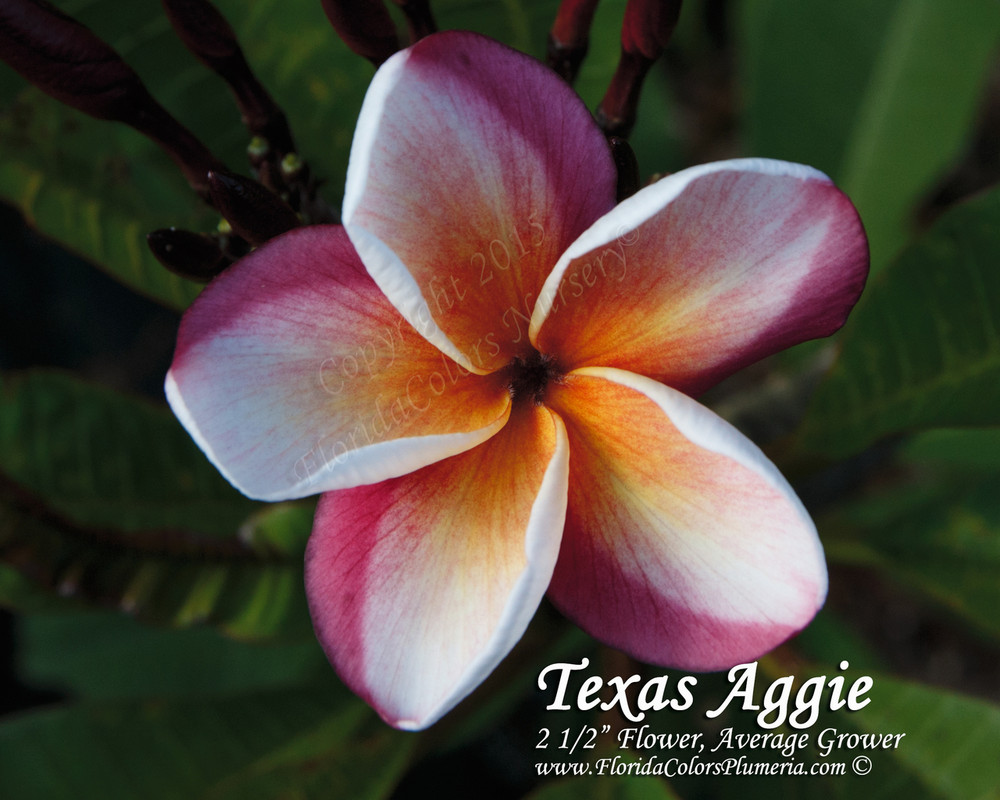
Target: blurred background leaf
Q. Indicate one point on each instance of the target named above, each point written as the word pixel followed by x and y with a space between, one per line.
pixel 880 96
pixel 105 498
pixel 106 459
pixel 109 656
pixel 934 526
pixel 923 350
pixel 949 748
pixel 200 749
pixel 622 787
pixel 947 752
pixel 163 576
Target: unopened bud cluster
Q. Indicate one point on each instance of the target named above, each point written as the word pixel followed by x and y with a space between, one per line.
pixel 69 62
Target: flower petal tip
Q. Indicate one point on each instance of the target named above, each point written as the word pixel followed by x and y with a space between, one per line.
pixel 705 272
pixel 420 585
pixel 698 560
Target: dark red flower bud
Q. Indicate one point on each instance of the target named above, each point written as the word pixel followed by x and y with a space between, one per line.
pixel 194 256
pixel 419 19
pixel 570 37
pixel 67 61
pixel 616 113
pixel 205 32
pixel 627 166
pixel 365 26
pixel 648 26
pixel 269 175
pixel 646 30
pixel 254 212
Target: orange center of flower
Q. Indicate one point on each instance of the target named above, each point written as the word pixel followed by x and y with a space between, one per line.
pixel 529 374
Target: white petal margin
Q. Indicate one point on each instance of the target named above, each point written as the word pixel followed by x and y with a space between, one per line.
pixel 385 267
pixel 415 598
pixel 320 466
pixel 395 280
pixel 624 218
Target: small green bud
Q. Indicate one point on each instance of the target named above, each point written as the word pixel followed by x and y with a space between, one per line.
pixel 291 166
pixel 258 149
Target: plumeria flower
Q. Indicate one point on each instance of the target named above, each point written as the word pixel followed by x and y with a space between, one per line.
pixel 488 372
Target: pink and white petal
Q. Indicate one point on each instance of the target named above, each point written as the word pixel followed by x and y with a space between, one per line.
pixel 420 585
pixel 684 546
pixel 473 168
pixel 295 375
pixel 705 272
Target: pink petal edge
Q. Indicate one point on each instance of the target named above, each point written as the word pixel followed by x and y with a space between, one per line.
pixel 705 272
pixel 459 240
pixel 399 599
pixel 684 546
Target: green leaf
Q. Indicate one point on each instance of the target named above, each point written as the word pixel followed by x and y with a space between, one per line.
pixel 95 187
pixel 105 656
pixel 521 24
pixel 830 640
pixel 107 499
pixel 876 94
pixel 949 750
pixel 102 231
pixel 923 348
pixel 976 450
pixel 17 591
pixel 920 101
pixel 797 107
pixel 281 528
pixel 169 577
pixel 939 535
pixel 340 758
pixel 623 787
pixel 108 460
pixel 933 524
pixel 156 749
